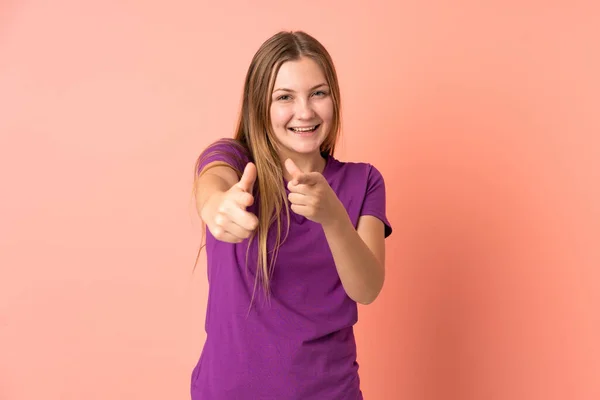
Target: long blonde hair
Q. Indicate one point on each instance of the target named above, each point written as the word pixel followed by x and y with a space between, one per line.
pixel 255 134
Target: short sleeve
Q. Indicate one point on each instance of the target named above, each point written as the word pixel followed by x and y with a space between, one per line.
pixel 375 198
pixel 228 151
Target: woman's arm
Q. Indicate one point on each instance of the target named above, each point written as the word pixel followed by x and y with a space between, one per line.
pixel 359 255
pixel 222 199
pixel 214 178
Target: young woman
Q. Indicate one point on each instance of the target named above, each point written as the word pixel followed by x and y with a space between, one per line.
pixel 294 238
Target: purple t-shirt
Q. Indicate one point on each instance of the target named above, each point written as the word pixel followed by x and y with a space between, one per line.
pixel 300 345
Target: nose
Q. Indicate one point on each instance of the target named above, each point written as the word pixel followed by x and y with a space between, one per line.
pixel 304 110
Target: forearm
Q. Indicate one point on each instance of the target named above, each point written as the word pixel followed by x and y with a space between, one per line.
pixel 209 185
pixel 361 273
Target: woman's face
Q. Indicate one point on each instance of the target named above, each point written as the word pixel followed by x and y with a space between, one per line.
pixel 302 107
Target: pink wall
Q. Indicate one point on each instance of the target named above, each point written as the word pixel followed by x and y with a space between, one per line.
pixel 483 118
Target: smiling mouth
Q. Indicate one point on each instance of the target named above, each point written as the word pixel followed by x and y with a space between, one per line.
pixel 305 129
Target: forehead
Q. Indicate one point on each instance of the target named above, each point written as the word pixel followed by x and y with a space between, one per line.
pixel 299 74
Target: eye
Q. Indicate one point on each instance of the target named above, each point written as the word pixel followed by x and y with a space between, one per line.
pixel 283 97
pixel 320 93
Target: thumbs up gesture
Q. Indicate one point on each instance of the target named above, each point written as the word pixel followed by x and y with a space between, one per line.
pixel 312 197
pixel 231 222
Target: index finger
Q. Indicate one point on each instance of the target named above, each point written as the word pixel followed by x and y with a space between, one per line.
pixel 307 179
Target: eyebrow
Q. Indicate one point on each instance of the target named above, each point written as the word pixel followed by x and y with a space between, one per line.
pixel 290 90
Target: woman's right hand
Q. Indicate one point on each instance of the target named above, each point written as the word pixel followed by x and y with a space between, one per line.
pixel 226 215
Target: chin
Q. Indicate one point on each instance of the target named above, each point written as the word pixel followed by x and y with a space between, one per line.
pixel 302 145
pixel 305 148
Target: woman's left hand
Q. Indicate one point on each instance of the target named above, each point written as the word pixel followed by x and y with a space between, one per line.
pixel 312 197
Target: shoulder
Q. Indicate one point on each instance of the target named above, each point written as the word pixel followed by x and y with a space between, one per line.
pixel 354 171
pixel 224 151
pixel 226 145
pixel 361 187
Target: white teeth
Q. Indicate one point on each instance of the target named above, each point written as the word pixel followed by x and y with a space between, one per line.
pixel 304 129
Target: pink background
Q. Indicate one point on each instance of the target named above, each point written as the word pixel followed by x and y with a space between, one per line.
pixel 482 116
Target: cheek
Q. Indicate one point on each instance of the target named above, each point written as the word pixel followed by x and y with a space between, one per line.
pixel 326 111
pixel 280 116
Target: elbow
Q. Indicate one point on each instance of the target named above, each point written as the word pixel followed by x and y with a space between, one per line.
pixel 365 290
pixel 368 296
pixel 367 299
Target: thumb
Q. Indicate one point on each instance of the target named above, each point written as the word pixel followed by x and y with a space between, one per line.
pixel 248 178
pixel 292 168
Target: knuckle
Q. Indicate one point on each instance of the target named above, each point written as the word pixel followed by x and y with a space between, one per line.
pixel 218 232
pixel 222 207
pixel 219 219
